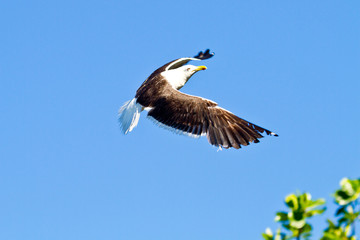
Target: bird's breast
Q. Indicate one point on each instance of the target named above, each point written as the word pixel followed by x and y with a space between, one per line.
pixel 176 80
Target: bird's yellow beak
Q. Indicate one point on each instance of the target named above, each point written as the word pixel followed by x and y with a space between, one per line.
pixel 201 68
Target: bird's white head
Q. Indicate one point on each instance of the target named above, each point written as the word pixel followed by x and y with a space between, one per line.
pixel 179 76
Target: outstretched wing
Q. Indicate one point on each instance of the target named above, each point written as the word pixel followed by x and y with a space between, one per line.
pixel 196 116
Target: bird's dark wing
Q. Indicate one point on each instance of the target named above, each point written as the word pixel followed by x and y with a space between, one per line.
pixel 196 116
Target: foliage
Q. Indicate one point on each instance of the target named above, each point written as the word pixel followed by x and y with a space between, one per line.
pixel 295 221
pixel 347 198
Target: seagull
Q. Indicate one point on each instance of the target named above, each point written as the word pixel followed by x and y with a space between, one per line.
pixel 186 114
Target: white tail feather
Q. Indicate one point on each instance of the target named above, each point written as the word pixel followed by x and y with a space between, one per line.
pixel 129 115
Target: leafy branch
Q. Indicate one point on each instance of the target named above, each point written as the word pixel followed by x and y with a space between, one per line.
pixel 295 222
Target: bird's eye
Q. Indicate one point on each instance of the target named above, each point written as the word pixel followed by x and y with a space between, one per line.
pixel 188 69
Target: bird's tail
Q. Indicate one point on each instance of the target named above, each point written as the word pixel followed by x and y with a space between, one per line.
pixel 129 115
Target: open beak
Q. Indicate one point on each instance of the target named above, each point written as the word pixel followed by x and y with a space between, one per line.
pixel 201 68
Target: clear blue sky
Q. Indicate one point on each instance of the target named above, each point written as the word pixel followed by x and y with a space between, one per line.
pixel 67 172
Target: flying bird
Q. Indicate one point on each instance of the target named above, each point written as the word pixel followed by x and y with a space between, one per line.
pixel 186 114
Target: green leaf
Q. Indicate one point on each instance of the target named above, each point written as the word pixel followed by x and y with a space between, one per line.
pixel 304 199
pixel 342 220
pixel 316 203
pixel 292 201
pixel 298 224
pixel 281 216
pixel 340 210
pixel 355 184
pixel 350 191
pixel 286 226
pixel 315 212
pixel 307 228
pixel 331 224
pixel 347 229
pixel 341 197
pixel 346 186
pixel 266 237
pixel 298 215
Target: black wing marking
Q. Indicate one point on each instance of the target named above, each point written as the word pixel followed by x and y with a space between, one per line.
pixel 204 55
